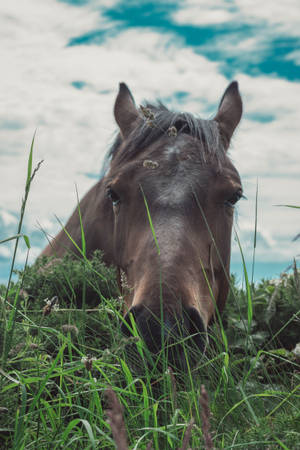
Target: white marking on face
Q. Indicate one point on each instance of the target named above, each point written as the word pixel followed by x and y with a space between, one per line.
pixel 172 150
pixel 175 190
pixel 173 194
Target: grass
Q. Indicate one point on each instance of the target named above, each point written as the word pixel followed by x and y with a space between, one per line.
pixel 66 373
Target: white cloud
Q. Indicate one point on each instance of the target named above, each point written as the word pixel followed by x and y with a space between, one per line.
pixel 281 17
pixel 269 21
pixel 37 69
pixel 200 12
pixel 269 152
pixel 7 218
pixel 294 56
pixel 276 227
pixel 269 148
pixel 75 126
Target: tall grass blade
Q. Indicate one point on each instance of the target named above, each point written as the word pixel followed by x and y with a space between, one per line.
pixel 83 242
pixel 255 234
pixel 17 236
pixel 248 287
pixel 46 378
pixel 30 177
pixel 150 221
pixel 282 445
pixel 19 425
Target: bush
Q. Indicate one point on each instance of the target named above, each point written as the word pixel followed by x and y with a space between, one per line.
pixel 74 281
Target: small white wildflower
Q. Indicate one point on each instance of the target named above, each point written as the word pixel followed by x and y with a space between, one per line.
pixel 56 307
pixel 124 282
pixel 106 352
pixel 296 350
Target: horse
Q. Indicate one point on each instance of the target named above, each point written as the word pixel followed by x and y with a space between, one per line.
pixel 163 214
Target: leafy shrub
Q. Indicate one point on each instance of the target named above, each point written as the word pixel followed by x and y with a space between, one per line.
pixel 276 314
pixel 74 281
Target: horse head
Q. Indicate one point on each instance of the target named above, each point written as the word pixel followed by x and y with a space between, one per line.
pixel 163 214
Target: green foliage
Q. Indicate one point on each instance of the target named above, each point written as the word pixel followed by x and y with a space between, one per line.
pixel 276 314
pixel 59 365
pixel 74 281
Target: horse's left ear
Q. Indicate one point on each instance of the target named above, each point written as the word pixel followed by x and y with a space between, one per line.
pixel 125 110
pixel 230 111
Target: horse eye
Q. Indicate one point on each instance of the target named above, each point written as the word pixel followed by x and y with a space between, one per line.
pixel 234 198
pixel 113 196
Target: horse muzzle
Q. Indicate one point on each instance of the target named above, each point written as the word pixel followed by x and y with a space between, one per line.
pixel 179 338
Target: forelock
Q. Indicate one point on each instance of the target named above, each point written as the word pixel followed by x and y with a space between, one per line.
pixel 163 122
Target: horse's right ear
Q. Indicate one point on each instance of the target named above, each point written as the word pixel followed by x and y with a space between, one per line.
pixel 125 110
pixel 230 111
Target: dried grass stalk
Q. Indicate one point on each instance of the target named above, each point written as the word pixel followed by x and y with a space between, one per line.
pixel 149 445
pixel 187 435
pixel 116 420
pixel 205 417
pixel 173 384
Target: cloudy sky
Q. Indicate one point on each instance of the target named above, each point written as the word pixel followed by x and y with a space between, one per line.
pixel 61 62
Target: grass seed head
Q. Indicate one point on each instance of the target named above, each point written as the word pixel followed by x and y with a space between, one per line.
pixel 116 420
pixel 173 384
pixel 150 123
pixel 88 362
pixel 205 417
pixel 33 346
pixel 172 131
pixel 147 113
pixel 150 164
pixel 70 329
pixel 187 435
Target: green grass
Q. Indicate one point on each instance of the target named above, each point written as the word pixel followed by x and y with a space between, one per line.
pixel 56 365
pixel 51 398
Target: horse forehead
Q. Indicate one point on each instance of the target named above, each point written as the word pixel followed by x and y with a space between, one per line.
pixel 175 178
pixel 169 153
pixel 182 148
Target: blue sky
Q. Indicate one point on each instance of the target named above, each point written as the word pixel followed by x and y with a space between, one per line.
pixel 61 65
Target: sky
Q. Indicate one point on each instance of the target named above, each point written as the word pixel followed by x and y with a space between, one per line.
pixel 61 64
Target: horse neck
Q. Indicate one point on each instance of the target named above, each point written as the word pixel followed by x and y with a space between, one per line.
pixel 97 232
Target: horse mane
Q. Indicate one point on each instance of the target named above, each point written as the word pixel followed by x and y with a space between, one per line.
pixel 148 130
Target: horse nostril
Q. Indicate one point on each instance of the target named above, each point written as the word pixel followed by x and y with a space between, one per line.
pixel 196 327
pixel 147 324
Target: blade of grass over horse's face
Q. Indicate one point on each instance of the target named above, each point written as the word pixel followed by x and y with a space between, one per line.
pixel 163 215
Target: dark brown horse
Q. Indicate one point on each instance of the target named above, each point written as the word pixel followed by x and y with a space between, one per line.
pixel 163 215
